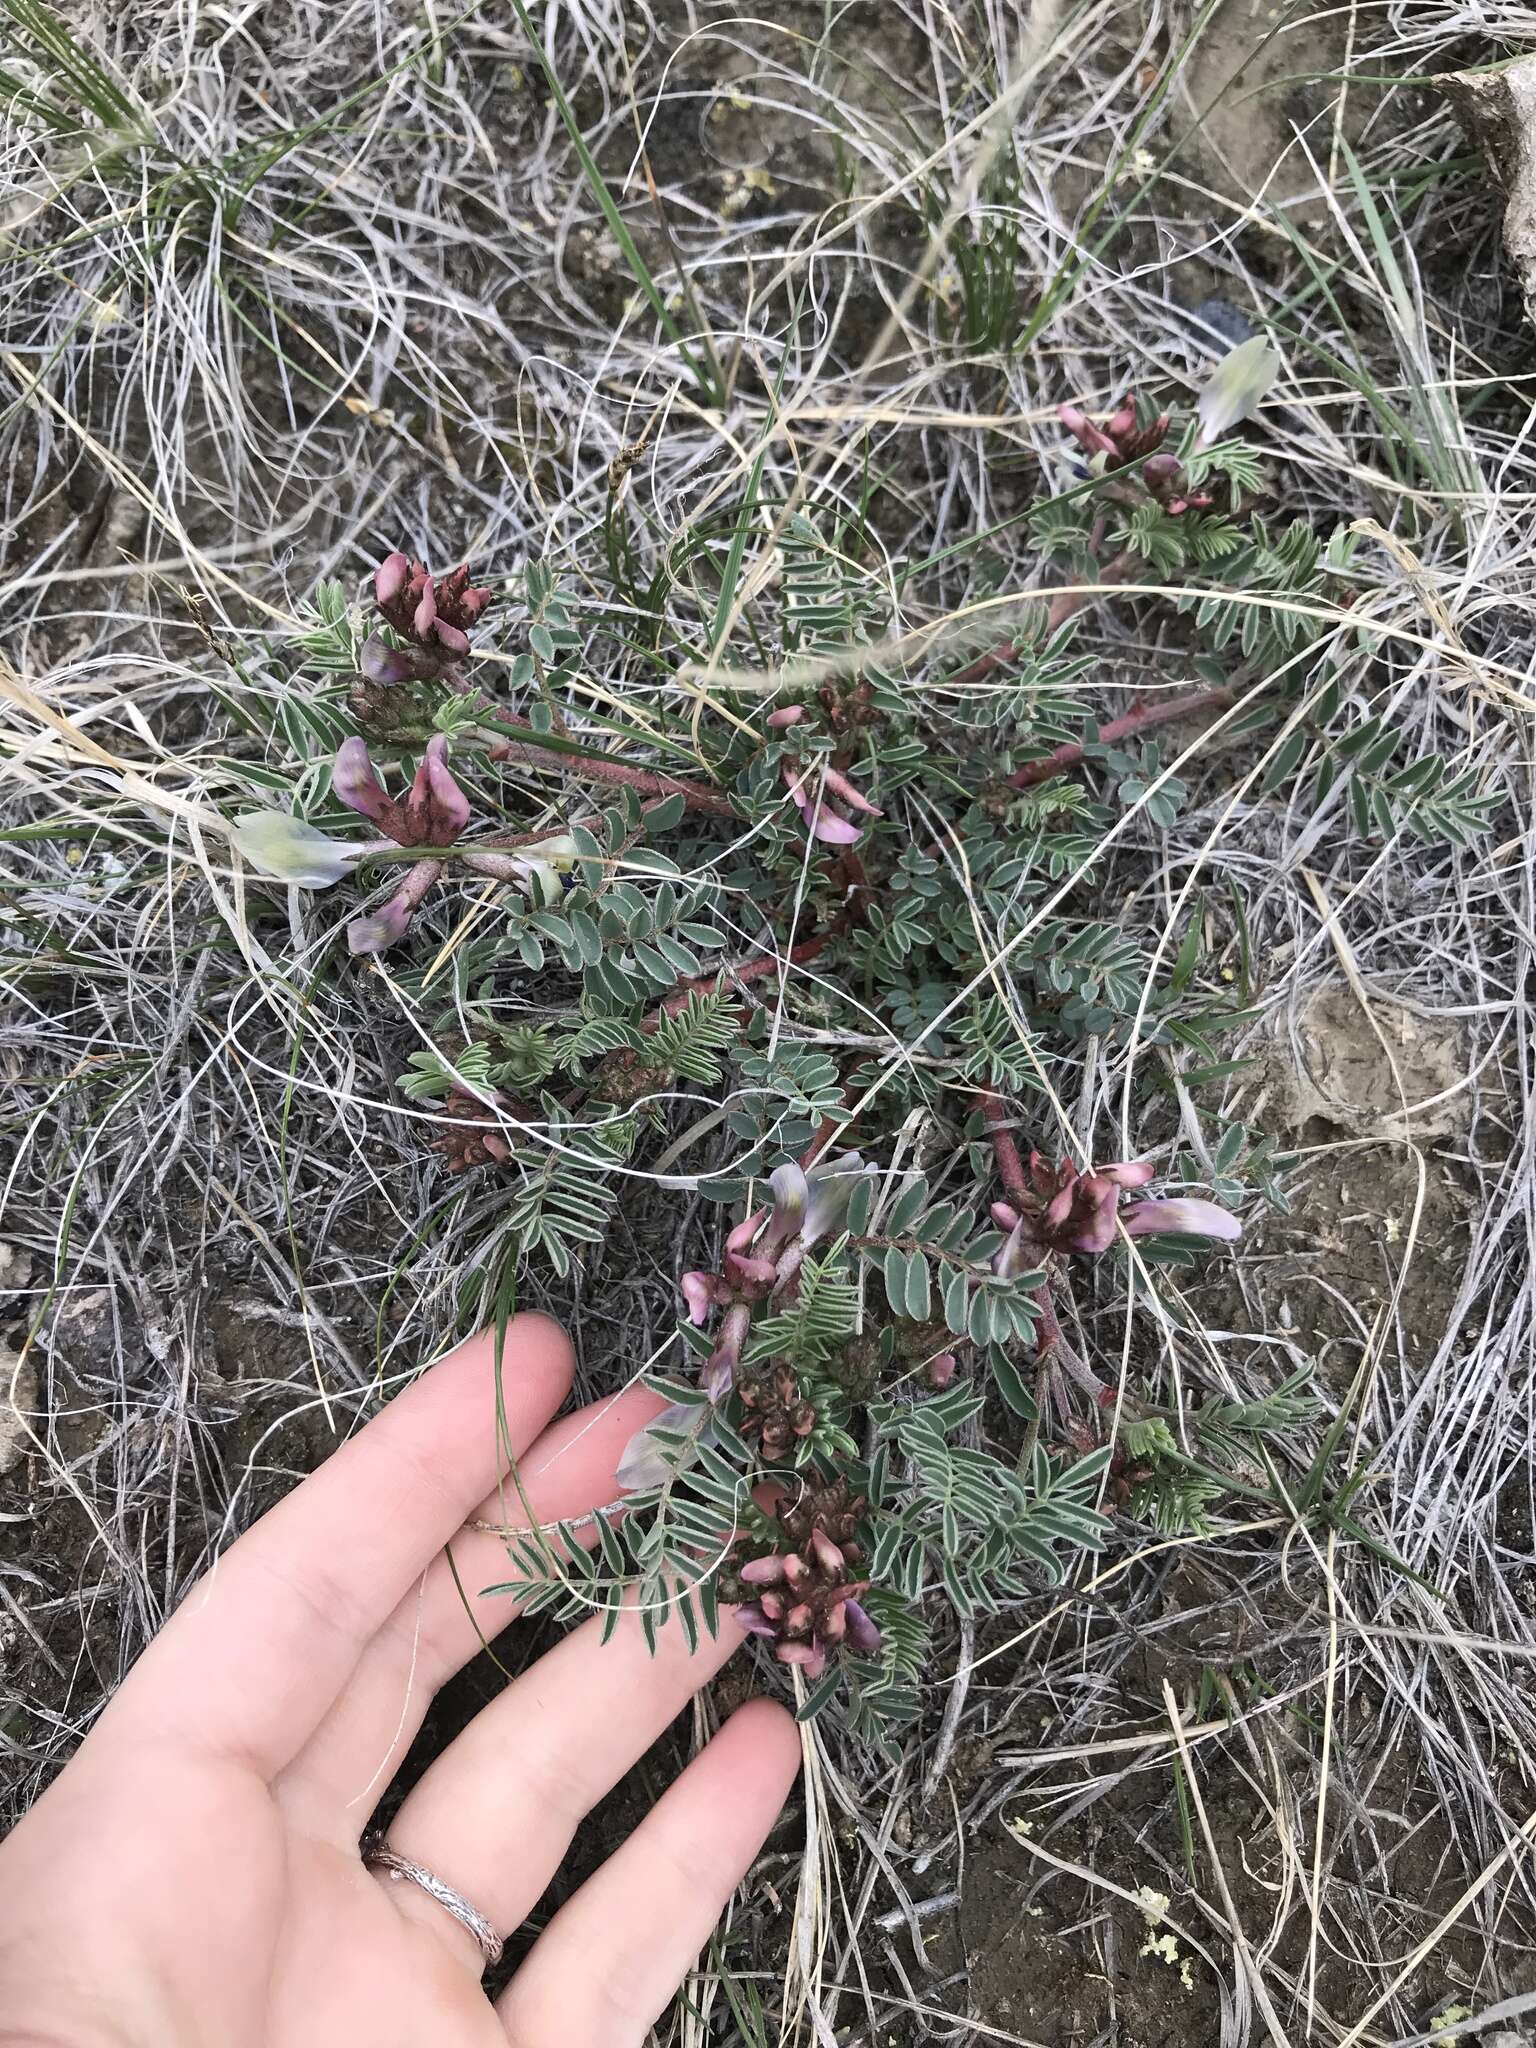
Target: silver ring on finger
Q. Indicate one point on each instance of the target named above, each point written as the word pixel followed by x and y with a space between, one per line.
pixel 377 1855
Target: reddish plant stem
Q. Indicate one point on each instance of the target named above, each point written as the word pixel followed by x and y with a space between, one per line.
pixel 1156 711
pixel 1118 569
pixel 752 969
pixel 647 781
pixel 1010 1166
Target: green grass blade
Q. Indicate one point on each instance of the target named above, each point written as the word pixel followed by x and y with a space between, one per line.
pixel 598 185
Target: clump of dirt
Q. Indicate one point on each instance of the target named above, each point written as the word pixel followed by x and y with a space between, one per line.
pixel 1385 1069
pixel 1376 1102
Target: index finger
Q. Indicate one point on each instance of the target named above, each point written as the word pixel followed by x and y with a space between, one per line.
pixel 263 1644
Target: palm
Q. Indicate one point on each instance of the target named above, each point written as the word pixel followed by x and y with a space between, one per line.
pixel 198 1867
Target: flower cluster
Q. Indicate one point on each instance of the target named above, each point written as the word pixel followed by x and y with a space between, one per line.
pixel 433 813
pixel 824 803
pixel 763 1255
pixel 465 1139
pixel 805 1594
pixel 432 616
pixel 1121 441
pixel 1079 1211
pixel 1120 438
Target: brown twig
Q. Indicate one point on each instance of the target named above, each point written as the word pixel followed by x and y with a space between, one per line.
pixel 1156 711
pixel 752 969
pixel 647 781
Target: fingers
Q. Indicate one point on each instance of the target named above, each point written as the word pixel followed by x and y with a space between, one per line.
pixel 609 1961
pixel 262 1646
pixel 333 1783
pixel 495 1814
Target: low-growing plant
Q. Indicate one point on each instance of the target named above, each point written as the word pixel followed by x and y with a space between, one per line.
pixel 825 964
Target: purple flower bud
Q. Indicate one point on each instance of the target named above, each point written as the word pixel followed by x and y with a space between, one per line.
pixel 355 782
pixel 449 638
pixel 799 1619
pixel 810 1657
pixel 833 1624
pixel 795 1568
pixel 389 925
pixel 839 784
pixel 425 615
pixel 699 1293
pixel 863 1634
pixel 1122 420
pixel 754 1621
pixel 437 808
pixel 827 1554
pixel 1005 1216
pixel 1127 1173
pixel 1162 474
pixel 827 826
pixel 745 1231
pixel 390 578
pixel 763 1571
pixel 1082 429
pixel 786 715
pixel 825 823
pixel 382 663
pixel 941 1370
pixel 753 1272
pixel 1194 1218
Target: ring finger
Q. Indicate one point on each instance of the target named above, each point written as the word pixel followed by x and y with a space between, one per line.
pixel 495 1814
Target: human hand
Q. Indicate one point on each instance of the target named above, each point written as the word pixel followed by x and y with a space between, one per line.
pixel 194 1875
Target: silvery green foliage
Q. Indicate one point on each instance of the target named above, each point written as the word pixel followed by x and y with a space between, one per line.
pixel 790 907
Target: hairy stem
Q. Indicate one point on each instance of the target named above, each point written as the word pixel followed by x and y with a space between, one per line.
pixel 654 782
pixel 1157 711
pixel 751 969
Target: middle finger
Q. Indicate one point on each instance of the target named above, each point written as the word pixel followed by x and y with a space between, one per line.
pixel 335 1781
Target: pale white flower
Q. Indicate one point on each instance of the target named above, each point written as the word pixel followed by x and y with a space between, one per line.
pixel 291 851
pixel 1236 386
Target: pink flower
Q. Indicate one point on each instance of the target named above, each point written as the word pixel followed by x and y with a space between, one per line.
pixel 699 1293
pixel 825 821
pixel 1194 1218
pixel 786 715
pixel 388 926
pixel 434 811
pixel 811 1657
